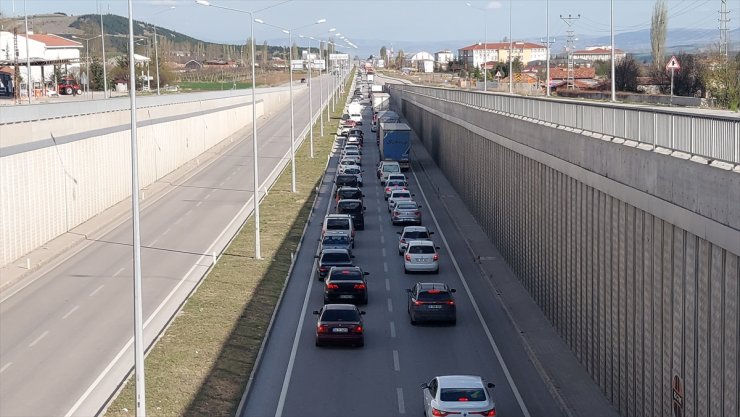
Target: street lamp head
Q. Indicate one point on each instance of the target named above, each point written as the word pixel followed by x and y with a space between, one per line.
pixel 468 4
pixel 332 29
pixel 287 32
pixel 259 21
pixel 202 2
pixel 320 21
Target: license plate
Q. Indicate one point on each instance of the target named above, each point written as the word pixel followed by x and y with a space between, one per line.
pixel 346 296
pixel 340 330
pixel 435 306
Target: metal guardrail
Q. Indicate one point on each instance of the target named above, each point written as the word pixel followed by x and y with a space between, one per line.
pixel 714 137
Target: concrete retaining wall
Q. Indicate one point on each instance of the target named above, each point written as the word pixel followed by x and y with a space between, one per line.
pixel 57 173
pixel 632 255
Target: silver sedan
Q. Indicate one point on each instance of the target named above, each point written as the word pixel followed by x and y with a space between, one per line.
pixel 406 211
pixel 421 256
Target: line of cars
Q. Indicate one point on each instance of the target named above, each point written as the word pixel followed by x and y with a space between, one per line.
pixel 345 283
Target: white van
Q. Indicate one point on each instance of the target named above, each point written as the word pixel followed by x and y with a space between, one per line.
pixel 387 168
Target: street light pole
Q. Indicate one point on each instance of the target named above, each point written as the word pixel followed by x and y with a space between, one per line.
pixel 28 55
pixel 511 51
pixel 102 41
pixel 614 81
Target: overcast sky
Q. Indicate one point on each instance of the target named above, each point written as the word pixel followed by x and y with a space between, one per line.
pixel 409 20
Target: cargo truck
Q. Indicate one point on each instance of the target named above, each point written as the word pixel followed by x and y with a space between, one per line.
pixel 395 143
pixel 370 78
pixel 381 101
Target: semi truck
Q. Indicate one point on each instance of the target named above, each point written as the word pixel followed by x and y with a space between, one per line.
pixel 395 143
pixel 370 78
pixel 381 101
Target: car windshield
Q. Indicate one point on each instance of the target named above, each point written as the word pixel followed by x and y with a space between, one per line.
pixel 336 240
pixel 434 295
pixel 391 168
pixel 349 205
pixel 348 162
pixel 411 235
pixel 337 224
pixel 405 206
pixel 347 179
pixel 332 257
pixel 340 315
pixel 462 394
pixel 402 195
pixel 425 249
pixel 346 275
pixel 353 171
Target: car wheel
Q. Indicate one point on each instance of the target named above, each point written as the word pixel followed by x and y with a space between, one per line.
pixel 364 300
pixel 413 320
pixel 400 253
pixel 79 92
pixel 405 271
pixel 319 344
pixel 68 91
pixel 436 271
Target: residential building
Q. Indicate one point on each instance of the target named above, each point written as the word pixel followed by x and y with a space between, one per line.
pixel 422 61
pixel 443 58
pixel 44 52
pixel 475 55
pixel 599 53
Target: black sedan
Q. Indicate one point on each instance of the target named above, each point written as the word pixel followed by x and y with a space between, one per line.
pixel 340 323
pixel 346 284
pixel 332 257
pixel 431 302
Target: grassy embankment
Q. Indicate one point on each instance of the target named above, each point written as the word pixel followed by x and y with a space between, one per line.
pixel 201 364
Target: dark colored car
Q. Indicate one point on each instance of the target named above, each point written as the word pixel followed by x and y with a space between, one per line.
pixel 346 180
pixel 336 240
pixel 345 284
pixel 340 323
pixel 332 257
pixel 352 193
pixel 431 302
pixel 355 209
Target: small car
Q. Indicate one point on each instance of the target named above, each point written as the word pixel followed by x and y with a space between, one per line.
pixel 356 171
pixel 410 233
pixel 355 209
pixel 396 196
pixel 421 256
pixel 336 240
pixel 406 211
pixel 346 180
pixel 346 284
pixel 393 185
pixel 340 323
pixel 387 168
pixel 332 257
pixel 452 395
pixel 353 193
pixel 431 301
pixel 339 223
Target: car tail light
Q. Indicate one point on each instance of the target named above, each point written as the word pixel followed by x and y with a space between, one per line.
pixel 440 413
pixel 418 303
pixel 396 213
pixel 387 189
pixel 488 413
pixel 435 257
pixel 408 257
pixel 403 240
pixel 332 286
pixel 357 329
pixel 450 303
pixel 359 286
pixel 322 328
pixel 417 213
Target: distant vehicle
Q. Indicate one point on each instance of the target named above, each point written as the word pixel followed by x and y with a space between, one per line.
pixel 330 258
pixel 353 193
pixel 354 140
pixel 346 180
pixel 336 240
pixel 386 168
pixel 393 185
pixel 431 302
pixel 356 171
pixel 370 78
pixel 421 256
pixel 69 86
pixel 396 196
pixel 303 80
pixel 410 233
pixel 381 101
pixel 340 323
pixel 395 143
pixel 405 212
pixel 355 209
pixel 345 284
pixel 353 155
pixel 398 177
pixel 357 118
pixel 340 223
pixel 458 395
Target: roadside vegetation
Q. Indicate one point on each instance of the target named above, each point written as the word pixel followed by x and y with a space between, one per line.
pixel 200 365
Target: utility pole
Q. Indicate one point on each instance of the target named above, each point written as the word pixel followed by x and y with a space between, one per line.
pixel 548 43
pixel 569 48
pixel 724 32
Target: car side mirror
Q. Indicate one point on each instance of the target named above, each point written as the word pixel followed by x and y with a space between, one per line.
pixel 365 273
pixel 424 386
pixel 408 290
pixel 413 195
pixel 491 385
pixel 437 247
pixel 362 313
pixel 316 312
pixel 453 290
pixel 431 233
pixel 398 233
pixel 351 256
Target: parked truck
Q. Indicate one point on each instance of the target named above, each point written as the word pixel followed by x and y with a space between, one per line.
pixel 395 143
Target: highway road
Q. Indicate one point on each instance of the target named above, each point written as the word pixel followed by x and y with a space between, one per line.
pixel 66 331
pixel 296 378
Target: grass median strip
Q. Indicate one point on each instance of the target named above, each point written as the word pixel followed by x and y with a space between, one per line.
pixel 201 364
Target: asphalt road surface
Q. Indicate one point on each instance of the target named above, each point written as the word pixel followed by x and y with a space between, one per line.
pixel 66 332
pixel 382 379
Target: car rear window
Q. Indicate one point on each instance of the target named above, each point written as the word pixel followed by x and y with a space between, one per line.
pixel 340 315
pixel 434 295
pixel 336 240
pixel 351 153
pixel 337 224
pixel 395 183
pixel 335 257
pixel 411 235
pixel 348 275
pixel 352 171
pixel 462 394
pixel 350 194
pixel 421 249
pixel 402 195
pixel 346 179
pixel 405 206
pixel 391 168
pixel 349 205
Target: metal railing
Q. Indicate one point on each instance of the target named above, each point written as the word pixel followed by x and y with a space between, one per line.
pixel 714 137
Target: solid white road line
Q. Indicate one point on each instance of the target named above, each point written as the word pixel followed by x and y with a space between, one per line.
pixel 393 329
pixel 390 305
pixel 401 406
pixel 92 294
pixel 396 362
pixel 38 339
pixel 188 212
pixel 166 231
pixel 483 323
pixel 6 366
pixel 70 312
pixel 297 338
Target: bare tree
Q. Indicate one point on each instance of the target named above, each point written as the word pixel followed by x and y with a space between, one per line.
pixel 658 32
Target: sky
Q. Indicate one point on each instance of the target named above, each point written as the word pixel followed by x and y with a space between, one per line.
pixel 406 20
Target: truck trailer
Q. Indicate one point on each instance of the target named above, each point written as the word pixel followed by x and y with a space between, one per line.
pixel 395 143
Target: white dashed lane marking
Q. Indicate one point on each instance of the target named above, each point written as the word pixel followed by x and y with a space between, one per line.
pixel 390 305
pixel 6 366
pixel 38 339
pixel 96 290
pixel 69 313
pixel 396 362
pixel 401 406
pixel 393 329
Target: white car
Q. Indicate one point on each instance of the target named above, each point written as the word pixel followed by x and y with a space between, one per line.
pixel 397 195
pixel 355 116
pixel 421 256
pixel 410 233
pixel 401 177
pixel 344 164
pixel 458 395
pixel 353 155
pixel 353 140
pixel 387 168
pixel 351 148
pixel 354 170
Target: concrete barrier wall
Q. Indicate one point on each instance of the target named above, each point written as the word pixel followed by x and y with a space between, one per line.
pixel 47 187
pixel 632 255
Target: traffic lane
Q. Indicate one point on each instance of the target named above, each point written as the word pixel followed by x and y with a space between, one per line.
pixel 533 390
pixel 157 283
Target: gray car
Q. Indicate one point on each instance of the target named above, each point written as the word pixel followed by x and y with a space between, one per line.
pixel 406 211
pixel 410 233
pixel 336 240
